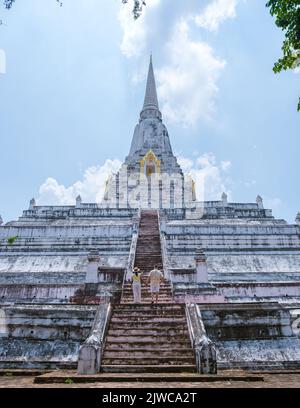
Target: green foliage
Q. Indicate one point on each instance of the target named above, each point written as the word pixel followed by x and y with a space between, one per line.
pixel 287 17
pixel 11 240
pixel 137 7
pixel 136 11
pixel 8 3
pixel 69 381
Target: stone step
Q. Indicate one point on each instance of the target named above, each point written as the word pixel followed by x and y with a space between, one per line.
pixel 147 313
pixel 142 308
pixel 147 246
pixel 146 289
pixel 141 347
pixel 154 319
pixel 171 322
pixel 155 360
pixel 134 354
pixel 148 317
pixel 145 339
pixel 180 376
pixel 148 369
pixel 152 242
pixel 142 324
pixel 149 236
pixel 147 297
pixel 147 294
pixel 164 306
pixel 144 313
pixel 144 301
pixel 153 331
pixel 146 251
pixel 147 256
pixel 146 285
pixel 163 288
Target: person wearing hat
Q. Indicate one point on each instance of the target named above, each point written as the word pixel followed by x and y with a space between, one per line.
pixel 136 285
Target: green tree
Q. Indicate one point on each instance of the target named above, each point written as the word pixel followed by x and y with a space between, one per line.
pixel 8 3
pixel 287 17
pixel 137 7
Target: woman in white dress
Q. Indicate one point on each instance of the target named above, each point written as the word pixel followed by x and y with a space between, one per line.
pixel 136 285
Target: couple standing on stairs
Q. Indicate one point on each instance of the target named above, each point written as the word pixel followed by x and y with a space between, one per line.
pixel 155 278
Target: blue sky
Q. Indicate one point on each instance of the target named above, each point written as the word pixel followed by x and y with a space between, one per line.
pixel 74 85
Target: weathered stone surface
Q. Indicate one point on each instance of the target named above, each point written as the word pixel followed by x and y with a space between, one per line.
pixel 204 348
pixel 91 351
pixel 44 336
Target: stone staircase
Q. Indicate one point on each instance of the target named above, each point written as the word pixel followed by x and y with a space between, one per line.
pixel 148 254
pixel 148 249
pixel 144 337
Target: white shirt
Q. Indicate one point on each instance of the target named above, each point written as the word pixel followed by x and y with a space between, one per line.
pixel 155 276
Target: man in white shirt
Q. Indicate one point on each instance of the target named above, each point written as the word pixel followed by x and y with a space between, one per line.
pixel 155 279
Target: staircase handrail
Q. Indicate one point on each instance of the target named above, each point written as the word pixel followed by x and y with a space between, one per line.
pixel 91 351
pixel 165 258
pixel 131 256
pixel 204 348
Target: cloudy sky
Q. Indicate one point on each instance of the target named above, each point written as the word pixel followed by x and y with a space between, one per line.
pixel 72 81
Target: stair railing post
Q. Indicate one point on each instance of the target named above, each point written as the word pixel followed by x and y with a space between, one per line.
pixel 91 351
pixel 204 348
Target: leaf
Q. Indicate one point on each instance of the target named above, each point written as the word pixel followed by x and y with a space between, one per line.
pixel 11 240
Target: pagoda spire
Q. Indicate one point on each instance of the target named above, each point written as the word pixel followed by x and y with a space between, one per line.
pixel 151 101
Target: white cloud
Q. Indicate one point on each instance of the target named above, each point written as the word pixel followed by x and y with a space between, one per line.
pixel 188 81
pixel 91 187
pixel 225 165
pixel 135 32
pixel 188 84
pixel 215 13
pixel 210 177
pixel 2 62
